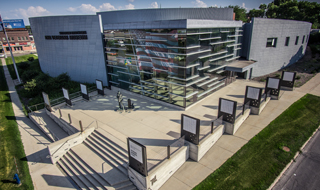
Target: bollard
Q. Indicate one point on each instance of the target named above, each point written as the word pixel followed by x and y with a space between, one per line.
pixel 69 118
pixel 212 127
pixel 80 123
pixel 129 104
pixel 168 151
pixel 16 177
pixel 60 113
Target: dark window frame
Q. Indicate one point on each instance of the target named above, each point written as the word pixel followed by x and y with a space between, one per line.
pixel 297 40
pixel 287 41
pixel 273 42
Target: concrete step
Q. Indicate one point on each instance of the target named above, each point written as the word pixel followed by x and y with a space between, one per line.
pixel 110 158
pixel 115 147
pixel 102 182
pixel 78 171
pixel 101 166
pixel 68 170
pixel 131 187
pixel 94 183
pixel 108 148
pixel 115 138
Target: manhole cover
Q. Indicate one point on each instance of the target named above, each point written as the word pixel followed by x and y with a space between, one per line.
pixel 286 149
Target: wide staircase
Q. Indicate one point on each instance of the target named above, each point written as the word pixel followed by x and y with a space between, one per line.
pixel 100 162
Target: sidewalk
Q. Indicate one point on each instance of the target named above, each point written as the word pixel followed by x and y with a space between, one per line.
pixel 35 146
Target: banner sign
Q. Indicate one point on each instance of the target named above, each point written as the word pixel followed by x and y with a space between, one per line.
pixel 273 86
pixel 99 87
pixel 190 128
pixel 137 156
pixel 13 23
pixel 46 101
pixel 253 94
pixel 288 78
pixel 84 91
pixel 227 109
pixel 66 96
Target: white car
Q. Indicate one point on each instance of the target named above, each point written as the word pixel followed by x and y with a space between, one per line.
pixel 1 55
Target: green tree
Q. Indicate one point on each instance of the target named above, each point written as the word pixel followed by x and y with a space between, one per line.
pixel 241 13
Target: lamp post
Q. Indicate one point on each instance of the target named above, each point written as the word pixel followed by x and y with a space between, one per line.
pixel 14 63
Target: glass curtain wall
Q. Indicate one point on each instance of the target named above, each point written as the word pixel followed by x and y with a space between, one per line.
pixel 178 66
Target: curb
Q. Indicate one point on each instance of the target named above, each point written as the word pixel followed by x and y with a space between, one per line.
pixel 289 164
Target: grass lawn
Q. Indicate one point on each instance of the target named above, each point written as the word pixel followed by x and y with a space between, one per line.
pixel 257 164
pixel 20 59
pixel 10 144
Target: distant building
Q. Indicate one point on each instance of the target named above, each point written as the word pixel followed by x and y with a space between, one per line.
pixel 177 55
pixel 18 36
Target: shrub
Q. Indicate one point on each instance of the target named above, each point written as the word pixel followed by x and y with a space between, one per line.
pixel 23 65
pixel 262 80
pixel 277 75
pixel 298 77
pixel 30 59
pixel 62 79
pixel 30 86
pixel 28 75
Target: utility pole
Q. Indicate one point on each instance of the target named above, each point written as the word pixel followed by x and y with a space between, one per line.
pixel 14 63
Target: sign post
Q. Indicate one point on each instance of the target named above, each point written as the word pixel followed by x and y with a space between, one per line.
pixel 99 84
pixel 273 86
pixel 137 157
pixel 46 101
pixel 84 91
pixel 227 109
pixel 253 95
pixel 190 128
pixel 288 79
pixel 66 96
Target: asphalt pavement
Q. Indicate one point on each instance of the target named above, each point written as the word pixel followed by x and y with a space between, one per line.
pixel 304 173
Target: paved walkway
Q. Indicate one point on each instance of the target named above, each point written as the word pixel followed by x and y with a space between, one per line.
pixel 154 121
pixel 35 146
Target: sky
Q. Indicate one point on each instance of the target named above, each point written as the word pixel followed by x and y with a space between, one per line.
pixel 22 9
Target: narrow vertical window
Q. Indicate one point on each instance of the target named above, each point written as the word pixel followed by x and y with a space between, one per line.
pixel 287 41
pixel 303 39
pixel 297 40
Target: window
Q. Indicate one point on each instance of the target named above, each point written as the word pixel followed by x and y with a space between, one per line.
pixel 19 38
pixel 22 38
pixel 271 42
pixel 12 38
pixel 26 38
pixel 287 41
pixel 307 38
pixel 297 40
pixel 303 39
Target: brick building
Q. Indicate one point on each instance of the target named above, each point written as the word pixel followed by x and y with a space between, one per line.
pixel 19 40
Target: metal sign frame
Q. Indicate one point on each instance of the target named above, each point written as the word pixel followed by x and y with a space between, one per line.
pixel 253 102
pixel 286 83
pixel 47 103
pixel 273 91
pixel 191 136
pixel 67 96
pixel 100 91
pixel 227 116
pixel 84 91
pixel 140 167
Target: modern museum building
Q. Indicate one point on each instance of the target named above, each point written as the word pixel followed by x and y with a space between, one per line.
pixel 176 55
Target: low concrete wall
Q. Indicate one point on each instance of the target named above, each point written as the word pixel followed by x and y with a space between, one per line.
pixel 64 125
pixel 59 148
pixel 232 128
pixel 161 173
pixel 198 151
pixel 42 128
pixel 257 111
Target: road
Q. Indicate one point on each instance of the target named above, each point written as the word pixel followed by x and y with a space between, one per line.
pixel 304 173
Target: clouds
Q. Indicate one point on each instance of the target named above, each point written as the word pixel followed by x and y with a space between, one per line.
pixel 131 1
pixel 129 6
pixel 154 5
pixel 199 3
pixel 32 11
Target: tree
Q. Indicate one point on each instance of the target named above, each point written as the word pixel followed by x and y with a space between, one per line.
pixel 241 13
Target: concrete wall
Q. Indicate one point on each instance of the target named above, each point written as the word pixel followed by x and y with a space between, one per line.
pixel 165 14
pixel 270 59
pixel 83 60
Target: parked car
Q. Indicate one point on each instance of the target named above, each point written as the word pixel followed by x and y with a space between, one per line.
pixel 1 55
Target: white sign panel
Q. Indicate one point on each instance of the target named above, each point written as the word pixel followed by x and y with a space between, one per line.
pixel 288 76
pixel 273 83
pixel 65 93
pixel 253 93
pixel 46 98
pixel 135 151
pixel 227 106
pixel 99 85
pixel 189 124
pixel 83 89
